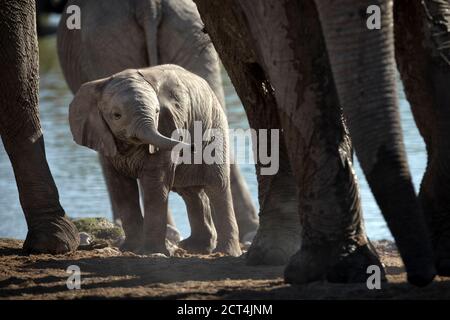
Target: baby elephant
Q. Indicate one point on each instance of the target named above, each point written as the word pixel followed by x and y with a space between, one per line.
pixel 129 118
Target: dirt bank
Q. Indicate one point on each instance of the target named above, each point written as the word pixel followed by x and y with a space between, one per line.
pixel 107 273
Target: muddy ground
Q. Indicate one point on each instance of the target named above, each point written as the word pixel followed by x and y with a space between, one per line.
pixel 107 273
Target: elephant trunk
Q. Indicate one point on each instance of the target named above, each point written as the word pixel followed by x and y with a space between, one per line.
pixel 362 60
pixel 148 133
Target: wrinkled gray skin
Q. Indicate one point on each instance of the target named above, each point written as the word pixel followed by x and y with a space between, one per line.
pixel 318 56
pixel 121 116
pixel 369 100
pixel 116 35
pixel 49 231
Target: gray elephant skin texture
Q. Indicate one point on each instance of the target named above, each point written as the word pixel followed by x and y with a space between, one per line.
pixel 116 35
pixel 129 118
pixel 49 230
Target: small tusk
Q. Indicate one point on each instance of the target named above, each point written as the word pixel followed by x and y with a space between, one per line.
pixel 152 149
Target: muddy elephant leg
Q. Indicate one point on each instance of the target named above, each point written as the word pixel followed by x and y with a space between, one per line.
pixel 362 61
pixel 49 230
pixel 203 233
pixel 425 30
pixel 334 245
pixel 278 235
pixel 304 103
pixel 124 196
pixel 224 220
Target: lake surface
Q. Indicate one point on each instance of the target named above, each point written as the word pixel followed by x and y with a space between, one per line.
pixel 80 181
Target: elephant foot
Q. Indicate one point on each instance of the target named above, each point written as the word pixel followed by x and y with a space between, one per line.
pixel 274 246
pixel 443 267
pixel 131 245
pixel 51 234
pixel 152 246
pixel 439 225
pixel 442 254
pixel 229 247
pixel 199 246
pixel 152 249
pixel 312 263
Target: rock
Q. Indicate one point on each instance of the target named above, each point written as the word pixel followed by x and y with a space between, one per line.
pixel 157 255
pixel 108 251
pixel 99 230
pixel 172 234
pixel 85 238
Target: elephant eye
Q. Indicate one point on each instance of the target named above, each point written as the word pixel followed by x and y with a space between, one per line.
pixel 117 116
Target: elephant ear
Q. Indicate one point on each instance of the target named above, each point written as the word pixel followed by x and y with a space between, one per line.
pixel 87 125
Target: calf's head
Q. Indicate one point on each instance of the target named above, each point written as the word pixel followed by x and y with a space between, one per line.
pixel 123 107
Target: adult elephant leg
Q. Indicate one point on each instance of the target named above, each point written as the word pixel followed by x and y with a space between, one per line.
pixel 207 65
pixel 362 61
pixel 425 29
pixel 334 245
pixel 278 236
pixel 244 209
pixel 49 231
pixel 250 79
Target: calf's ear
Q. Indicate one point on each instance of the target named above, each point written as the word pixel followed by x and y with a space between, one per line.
pixel 87 125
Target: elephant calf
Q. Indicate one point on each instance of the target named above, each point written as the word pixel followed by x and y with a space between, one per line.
pixel 128 117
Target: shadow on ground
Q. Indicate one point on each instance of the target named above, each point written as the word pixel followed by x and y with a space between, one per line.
pixel 107 273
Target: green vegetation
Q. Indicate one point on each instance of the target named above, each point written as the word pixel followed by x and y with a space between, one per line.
pixel 100 229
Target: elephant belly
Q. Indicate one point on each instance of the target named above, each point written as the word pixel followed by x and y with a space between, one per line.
pixel 199 175
pixel 188 175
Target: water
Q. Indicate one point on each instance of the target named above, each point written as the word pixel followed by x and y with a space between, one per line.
pixel 78 176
